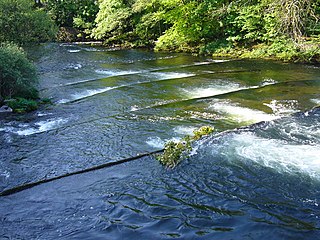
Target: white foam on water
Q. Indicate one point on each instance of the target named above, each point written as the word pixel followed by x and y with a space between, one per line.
pixel 305 133
pixel 204 115
pixel 268 81
pixel 73 51
pixel 169 75
pixel 66 45
pixel 156 104
pixel 91 49
pixel 202 63
pixel 75 66
pixel 41 126
pixel 316 101
pixel 162 58
pixel 7 129
pixel 157 142
pixel 283 107
pixel 240 114
pixel 159 118
pixel 274 153
pixel 115 72
pixel 184 130
pixel 41 114
pixel 212 90
pixel 85 94
pixel 220 60
pixel 5 174
pixel 134 108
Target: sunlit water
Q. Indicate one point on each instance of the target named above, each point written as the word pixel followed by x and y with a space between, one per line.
pixel 255 182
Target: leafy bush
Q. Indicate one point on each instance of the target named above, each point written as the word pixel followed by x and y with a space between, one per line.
pixel 286 50
pixel 175 152
pixel 21 105
pixel 18 77
pixel 21 23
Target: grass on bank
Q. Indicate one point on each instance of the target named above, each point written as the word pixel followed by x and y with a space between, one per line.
pixel 287 50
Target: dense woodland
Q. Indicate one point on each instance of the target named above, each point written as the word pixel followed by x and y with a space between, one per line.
pixel 282 29
pixel 285 29
pixel 265 27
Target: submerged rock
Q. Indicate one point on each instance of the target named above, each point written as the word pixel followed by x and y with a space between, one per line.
pixel 5 109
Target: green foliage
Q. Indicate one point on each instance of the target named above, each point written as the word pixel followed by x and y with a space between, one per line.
pixel 18 76
pixel 172 40
pixel 21 22
pixel 245 24
pixel 69 13
pixel 288 50
pixel 21 105
pixel 175 152
pixel 203 131
pixel 236 28
pixel 113 17
pixel 148 20
pixel 294 16
pixel 193 23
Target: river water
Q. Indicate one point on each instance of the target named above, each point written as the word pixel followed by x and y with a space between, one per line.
pixel 255 182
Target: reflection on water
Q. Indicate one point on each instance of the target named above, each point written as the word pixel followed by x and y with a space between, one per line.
pixel 258 182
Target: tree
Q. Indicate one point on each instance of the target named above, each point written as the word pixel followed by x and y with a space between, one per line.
pixel 21 22
pixel 18 77
pixel 294 16
pixel 64 12
pixel 113 19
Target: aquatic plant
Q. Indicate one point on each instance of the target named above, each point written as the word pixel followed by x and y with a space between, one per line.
pixel 175 152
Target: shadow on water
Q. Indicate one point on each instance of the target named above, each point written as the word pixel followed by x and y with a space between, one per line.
pixel 258 182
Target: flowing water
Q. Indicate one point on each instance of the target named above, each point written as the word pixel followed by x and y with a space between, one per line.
pixel 255 182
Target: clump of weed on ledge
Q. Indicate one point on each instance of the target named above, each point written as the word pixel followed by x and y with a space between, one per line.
pixel 175 152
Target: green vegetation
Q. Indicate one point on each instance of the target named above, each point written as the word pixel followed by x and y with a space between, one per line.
pixel 21 105
pixel 21 22
pixel 74 17
pixel 18 78
pixel 175 152
pixel 282 29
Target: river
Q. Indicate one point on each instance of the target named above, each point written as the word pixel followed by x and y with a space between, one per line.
pixel 246 181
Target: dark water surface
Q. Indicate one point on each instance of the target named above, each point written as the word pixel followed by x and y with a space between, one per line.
pixel 257 182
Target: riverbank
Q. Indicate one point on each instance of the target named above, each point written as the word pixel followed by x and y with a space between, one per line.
pixel 286 50
pixel 283 50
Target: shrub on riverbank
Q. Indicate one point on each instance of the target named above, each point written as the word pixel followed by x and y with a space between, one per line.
pixel 18 77
pixel 281 49
pixel 256 29
pixel 21 105
pixel 21 22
